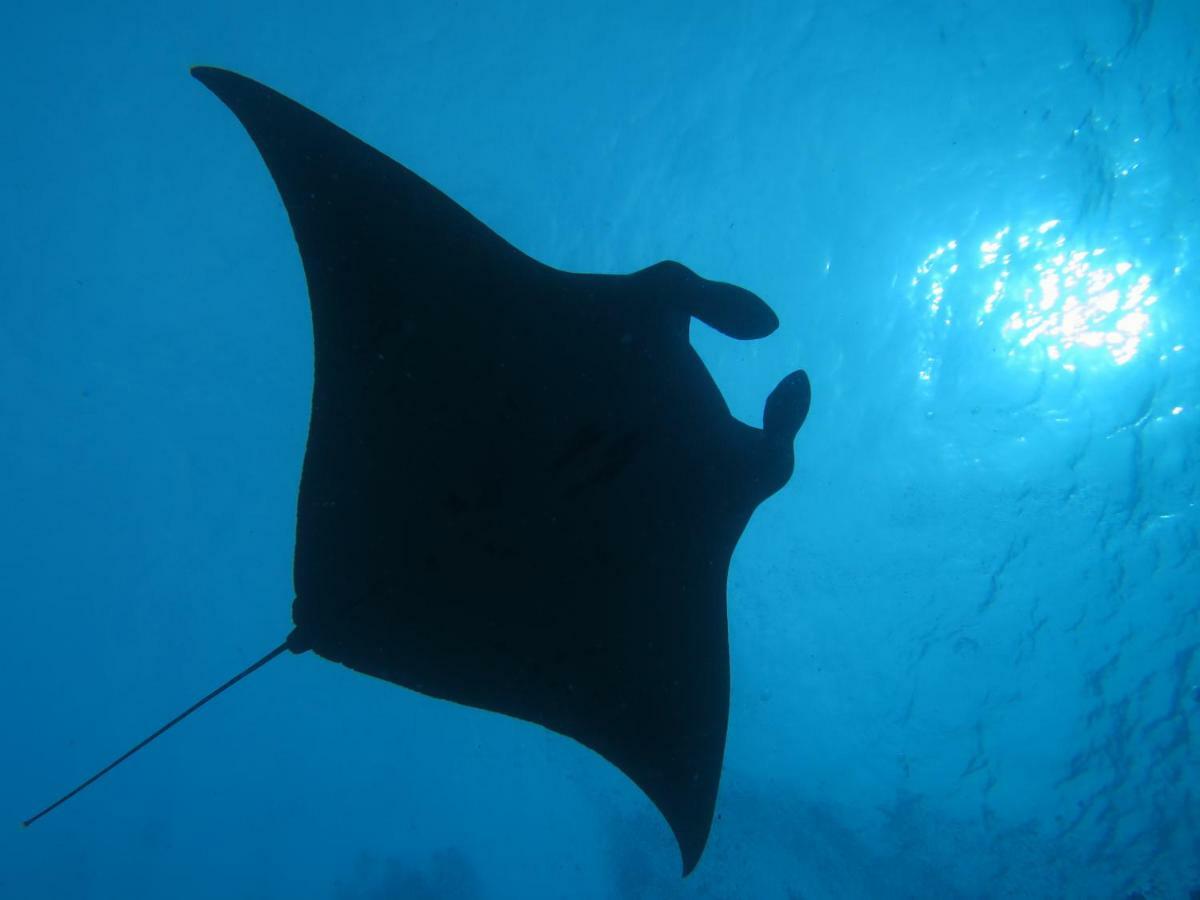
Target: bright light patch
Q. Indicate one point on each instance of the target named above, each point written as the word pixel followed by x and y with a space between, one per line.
pixel 1044 295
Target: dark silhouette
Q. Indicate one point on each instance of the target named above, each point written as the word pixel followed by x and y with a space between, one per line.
pixel 522 487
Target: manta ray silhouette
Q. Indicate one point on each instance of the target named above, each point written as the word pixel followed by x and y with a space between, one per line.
pixel 522 487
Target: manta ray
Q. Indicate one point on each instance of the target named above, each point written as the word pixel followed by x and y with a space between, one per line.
pixel 522 488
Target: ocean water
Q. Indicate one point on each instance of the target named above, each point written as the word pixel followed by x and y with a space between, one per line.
pixel 965 638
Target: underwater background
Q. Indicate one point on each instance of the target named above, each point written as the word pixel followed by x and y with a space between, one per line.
pixel 965 638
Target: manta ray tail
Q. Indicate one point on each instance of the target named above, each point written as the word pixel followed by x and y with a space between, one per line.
pixel 286 645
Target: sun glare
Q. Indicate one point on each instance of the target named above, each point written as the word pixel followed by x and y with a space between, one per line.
pixel 1045 294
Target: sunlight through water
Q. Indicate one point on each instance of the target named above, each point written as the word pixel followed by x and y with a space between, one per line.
pixel 1051 300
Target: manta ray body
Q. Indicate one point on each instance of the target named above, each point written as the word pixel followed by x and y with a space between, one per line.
pixel 522 488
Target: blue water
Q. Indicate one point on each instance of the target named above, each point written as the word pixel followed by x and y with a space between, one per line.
pixel 964 638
